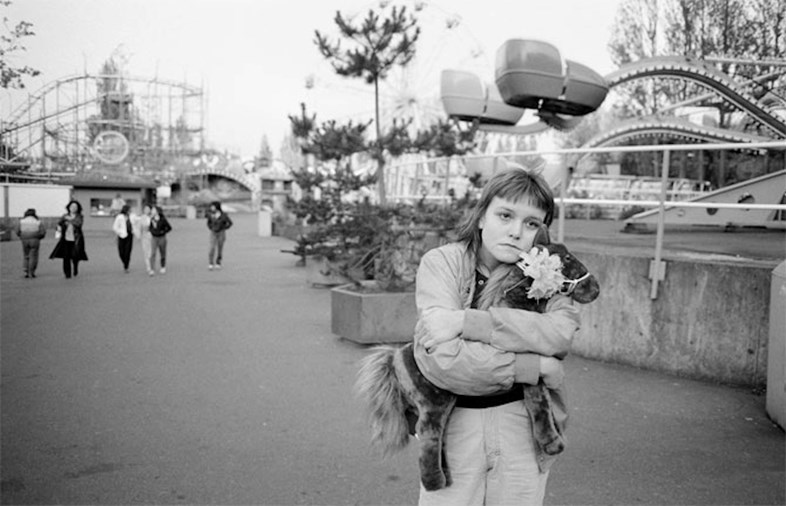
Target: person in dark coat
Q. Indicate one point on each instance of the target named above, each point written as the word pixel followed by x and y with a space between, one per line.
pixel 30 230
pixel 159 228
pixel 218 222
pixel 71 241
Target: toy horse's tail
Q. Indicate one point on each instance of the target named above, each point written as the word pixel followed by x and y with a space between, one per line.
pixel 386 404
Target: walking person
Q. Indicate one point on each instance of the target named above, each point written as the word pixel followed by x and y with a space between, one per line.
pixel 490 449
pixel 142 230
pixel 71 241
pixel 30 230
pixel 218 222
pixel 159 228
pixel 124 229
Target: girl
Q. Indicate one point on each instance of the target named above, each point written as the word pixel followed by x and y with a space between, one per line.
pixel 71 244
pixel 218 222
pixel 124 229
pixel 489 445
pixel 159 228
pixel 145 237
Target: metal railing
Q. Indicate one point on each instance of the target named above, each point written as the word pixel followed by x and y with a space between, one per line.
pixel 656 268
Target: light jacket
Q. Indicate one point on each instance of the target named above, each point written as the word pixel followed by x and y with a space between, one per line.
pixel 30 227
pixel 119 226
pixel 499 347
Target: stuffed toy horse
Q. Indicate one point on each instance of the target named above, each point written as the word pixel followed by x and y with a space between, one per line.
pixel 401 402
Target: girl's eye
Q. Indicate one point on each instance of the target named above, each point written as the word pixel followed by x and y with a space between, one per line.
pixel 533 223
pixel 505 215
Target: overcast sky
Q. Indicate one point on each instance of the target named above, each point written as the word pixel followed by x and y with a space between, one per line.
pixel 254 56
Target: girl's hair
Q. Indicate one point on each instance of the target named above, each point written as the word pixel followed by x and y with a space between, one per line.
pixel 159 210
pixel 125 209
pixel 513 185
pixel 216 204
pixel 78 206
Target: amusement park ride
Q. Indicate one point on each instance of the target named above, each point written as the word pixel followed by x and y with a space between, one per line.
pixel 533 75
pixel 116 127
pixel 125 127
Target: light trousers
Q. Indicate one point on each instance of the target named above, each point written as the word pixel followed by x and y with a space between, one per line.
pixel 30 249
pixel 491 456
pixel 216 247
pixel 147 248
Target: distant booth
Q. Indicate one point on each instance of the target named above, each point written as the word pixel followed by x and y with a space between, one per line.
pixel 96 195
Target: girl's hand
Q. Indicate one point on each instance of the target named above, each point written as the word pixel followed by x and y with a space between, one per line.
pixel 439 325
pixel 552 372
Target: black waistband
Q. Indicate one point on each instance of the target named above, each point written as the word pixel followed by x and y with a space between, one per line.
pixel 490 401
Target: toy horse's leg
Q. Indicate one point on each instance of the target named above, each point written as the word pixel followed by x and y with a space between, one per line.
pixel 434 471
pixel 434 407
pixel 544 428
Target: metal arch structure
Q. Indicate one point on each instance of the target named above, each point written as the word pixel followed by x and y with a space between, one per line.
pixel 56 128
pixel 669 126
pixel 697 71
pixel 248 181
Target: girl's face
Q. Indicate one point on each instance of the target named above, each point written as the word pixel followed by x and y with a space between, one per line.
pixel 153 211
pixel 507 229
pixel 146 210
pixel 73 208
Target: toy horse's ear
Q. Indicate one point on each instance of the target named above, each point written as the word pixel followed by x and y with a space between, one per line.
pixel 542 237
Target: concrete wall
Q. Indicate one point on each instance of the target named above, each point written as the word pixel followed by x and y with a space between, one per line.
pixel 710 320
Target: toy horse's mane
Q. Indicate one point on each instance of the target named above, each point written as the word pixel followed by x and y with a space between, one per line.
pixel 494 291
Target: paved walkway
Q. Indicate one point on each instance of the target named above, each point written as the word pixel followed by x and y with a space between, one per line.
pixel 228 387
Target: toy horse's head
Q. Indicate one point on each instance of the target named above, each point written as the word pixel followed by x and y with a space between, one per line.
pixel 579 283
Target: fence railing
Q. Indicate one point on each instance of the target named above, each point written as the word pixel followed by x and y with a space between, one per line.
pixel 562 200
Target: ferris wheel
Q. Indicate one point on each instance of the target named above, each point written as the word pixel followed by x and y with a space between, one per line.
pixel 411 91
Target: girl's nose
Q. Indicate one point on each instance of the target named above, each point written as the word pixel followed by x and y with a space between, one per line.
pixel 516 230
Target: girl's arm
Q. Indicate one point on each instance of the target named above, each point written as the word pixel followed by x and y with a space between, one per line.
pixel 460 366
pixel 517 330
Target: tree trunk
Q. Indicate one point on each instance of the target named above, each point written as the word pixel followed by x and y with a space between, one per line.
pixel 380 154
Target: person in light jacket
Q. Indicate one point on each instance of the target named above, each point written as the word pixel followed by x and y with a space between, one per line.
pixel 482 355
pixel 71 241
pixel 142 230
pixel 30 230
pixel 218 222
pixel 123 227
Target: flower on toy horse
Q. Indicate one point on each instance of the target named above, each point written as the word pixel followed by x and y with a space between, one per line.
pixel 545 271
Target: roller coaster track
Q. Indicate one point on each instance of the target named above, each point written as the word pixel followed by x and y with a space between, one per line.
pixel 672 127
pixel 38 96
pixel 709 77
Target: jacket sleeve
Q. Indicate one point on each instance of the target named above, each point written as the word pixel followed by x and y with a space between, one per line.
pixel 549 333
pixel 41 231
pixel 462 366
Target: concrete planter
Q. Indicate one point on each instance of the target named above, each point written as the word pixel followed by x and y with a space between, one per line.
pixel 367 316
